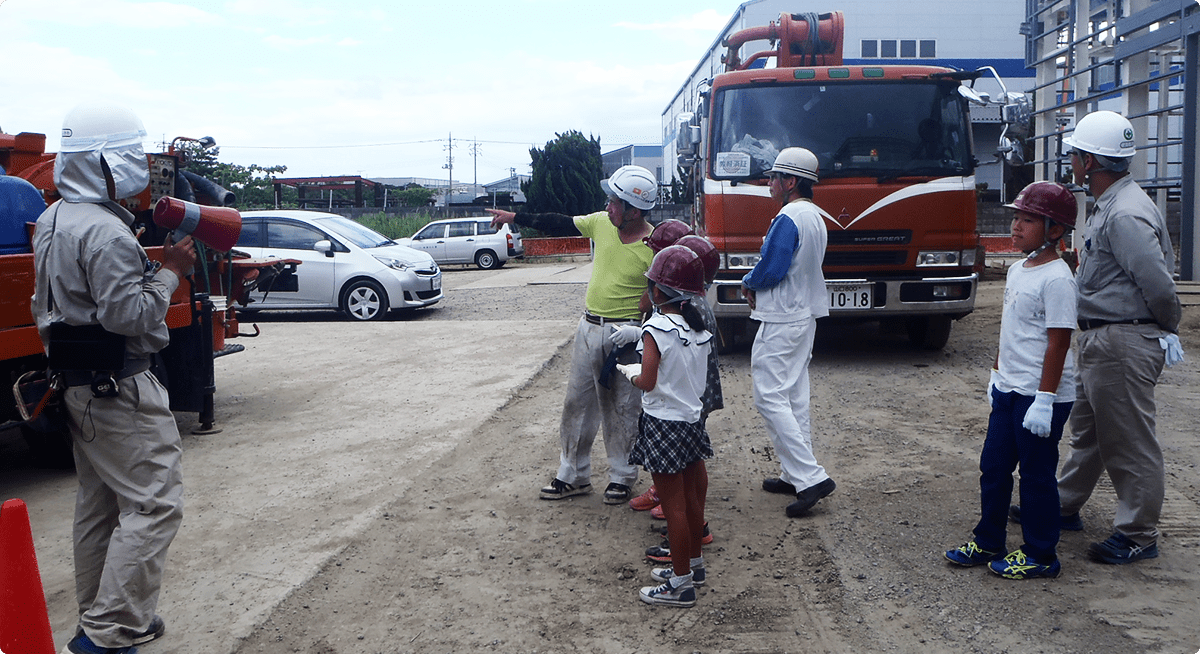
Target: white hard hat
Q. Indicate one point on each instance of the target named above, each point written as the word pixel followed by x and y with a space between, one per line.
pixel 797 162
pixel 100 126
pixel 634 184
pixel 1106 133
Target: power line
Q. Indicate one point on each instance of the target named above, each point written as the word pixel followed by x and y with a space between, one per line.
pixel 359 145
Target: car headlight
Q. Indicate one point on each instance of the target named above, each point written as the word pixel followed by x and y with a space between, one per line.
pixel 744 261
pixel 395 263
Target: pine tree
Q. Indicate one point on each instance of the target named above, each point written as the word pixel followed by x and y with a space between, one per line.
pixel 566 176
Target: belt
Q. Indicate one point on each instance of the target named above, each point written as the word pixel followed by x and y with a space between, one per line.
pixel 1086 324
pixel 85 377
pixel 601 320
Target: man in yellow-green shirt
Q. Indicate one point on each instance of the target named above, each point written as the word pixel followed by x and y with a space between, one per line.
pixel 618 280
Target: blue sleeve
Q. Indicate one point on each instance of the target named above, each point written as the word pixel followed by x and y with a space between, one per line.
pixel 778 248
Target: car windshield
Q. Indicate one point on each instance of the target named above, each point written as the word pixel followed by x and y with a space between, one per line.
pixel 357 234
pixel 855 129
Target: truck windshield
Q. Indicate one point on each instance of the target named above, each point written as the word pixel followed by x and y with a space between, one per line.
pixel 872 129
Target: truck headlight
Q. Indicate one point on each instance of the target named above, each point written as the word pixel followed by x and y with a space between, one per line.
pixel 934 258
pixel 740 261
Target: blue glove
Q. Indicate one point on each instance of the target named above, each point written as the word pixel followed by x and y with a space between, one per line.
pixel 991 386
pixel 1173 347
pixel 1037 418
pixel 624 335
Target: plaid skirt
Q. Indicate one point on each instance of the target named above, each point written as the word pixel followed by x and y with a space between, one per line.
pixel 669 446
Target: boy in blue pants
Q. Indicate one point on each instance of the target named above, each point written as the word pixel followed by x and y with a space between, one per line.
pixel 1031 391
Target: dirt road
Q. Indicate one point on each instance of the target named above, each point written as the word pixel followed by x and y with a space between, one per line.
pixel 403 515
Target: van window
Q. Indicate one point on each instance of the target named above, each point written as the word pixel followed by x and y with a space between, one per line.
pixel 431 231
pixel 486 228
pixel 462 229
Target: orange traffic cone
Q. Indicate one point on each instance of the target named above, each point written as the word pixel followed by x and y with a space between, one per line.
pixel 24 623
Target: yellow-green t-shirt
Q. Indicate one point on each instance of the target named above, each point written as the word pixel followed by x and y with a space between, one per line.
pixel 618 269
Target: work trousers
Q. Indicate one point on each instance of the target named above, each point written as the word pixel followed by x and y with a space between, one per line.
pixel 779 365
pixel 588 405
pixel 128 507
pixel 1008 446
pixel 1113 427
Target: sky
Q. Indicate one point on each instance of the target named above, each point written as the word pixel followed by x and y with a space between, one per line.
pixel 378 88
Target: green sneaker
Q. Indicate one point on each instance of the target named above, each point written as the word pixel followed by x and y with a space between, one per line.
pixel 971 555
pixel 1018 566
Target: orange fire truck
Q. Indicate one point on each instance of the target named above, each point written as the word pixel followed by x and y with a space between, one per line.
pixel 199 317
pixel 897 185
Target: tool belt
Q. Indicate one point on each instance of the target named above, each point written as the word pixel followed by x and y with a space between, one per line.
pixel 600 320
pixel 84 347
pixel 87 377
pixel 1086 324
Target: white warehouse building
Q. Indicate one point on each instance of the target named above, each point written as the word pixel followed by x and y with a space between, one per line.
pixel 963 34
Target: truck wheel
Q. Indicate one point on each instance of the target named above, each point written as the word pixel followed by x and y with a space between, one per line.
pixel 727 330
pixel 365 300
pixel 486 260
pixel 929 332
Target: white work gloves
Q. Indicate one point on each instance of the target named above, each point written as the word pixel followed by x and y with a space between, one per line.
pixel 991 386
pixel 630 370
pixel 1037 418
pixel 624 335
pixel 1173 347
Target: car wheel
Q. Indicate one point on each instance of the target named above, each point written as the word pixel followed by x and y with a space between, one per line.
pixel 486 260
pixel 365 300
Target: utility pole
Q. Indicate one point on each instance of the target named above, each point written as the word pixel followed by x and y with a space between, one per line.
pixel 475 159
pixel 450 166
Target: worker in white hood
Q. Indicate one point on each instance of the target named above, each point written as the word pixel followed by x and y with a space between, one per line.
pixel 91 273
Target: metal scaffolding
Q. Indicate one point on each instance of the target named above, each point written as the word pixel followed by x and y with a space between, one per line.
pixel 1137 57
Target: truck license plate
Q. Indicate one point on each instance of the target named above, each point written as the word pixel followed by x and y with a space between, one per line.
pixel 849 296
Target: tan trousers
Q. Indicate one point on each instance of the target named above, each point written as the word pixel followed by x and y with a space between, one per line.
pixel 128 507
pixel 1113 427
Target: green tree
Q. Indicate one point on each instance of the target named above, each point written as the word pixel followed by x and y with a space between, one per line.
pixel 566 176
pixel 254 185
pixel 414 195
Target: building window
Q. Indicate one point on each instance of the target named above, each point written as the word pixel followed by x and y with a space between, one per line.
pixel 908 49
pixel 928 49
pixel 870 49
pixel 887 49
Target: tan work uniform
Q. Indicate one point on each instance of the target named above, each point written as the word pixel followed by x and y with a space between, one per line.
pixel 1127 301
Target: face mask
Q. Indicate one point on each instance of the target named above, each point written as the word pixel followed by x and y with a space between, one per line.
pixel 130 172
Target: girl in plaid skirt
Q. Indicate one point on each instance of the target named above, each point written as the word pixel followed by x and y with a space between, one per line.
pixel 672 443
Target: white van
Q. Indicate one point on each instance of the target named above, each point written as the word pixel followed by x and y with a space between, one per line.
pixel 467 240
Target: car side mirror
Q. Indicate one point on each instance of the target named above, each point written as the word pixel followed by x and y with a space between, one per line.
pixel 325 246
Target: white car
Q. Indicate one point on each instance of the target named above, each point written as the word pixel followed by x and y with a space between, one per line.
pixel 344 265
pixel 467 240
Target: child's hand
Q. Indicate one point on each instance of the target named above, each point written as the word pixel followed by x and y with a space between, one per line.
pixel 1037 418
pixel 991 386
pixel 630 370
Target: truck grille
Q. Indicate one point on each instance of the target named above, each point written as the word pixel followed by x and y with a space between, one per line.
pixel 879 258
pixel 871 237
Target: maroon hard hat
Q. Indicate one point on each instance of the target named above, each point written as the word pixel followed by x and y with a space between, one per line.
pixel 678 268
pixel 707 253
pixel 1048 200
pixel 667 232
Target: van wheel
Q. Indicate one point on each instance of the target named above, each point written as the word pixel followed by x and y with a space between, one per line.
pixel 365 300
pixel 929 332
pixel 486 260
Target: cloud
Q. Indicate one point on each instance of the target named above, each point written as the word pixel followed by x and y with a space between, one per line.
pixel 107 14
pixel 707 21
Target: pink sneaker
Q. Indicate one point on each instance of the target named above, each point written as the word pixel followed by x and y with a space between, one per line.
pixel 657 513
pixel 645 501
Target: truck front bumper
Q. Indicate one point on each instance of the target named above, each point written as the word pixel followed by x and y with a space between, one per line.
pixel 890 297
